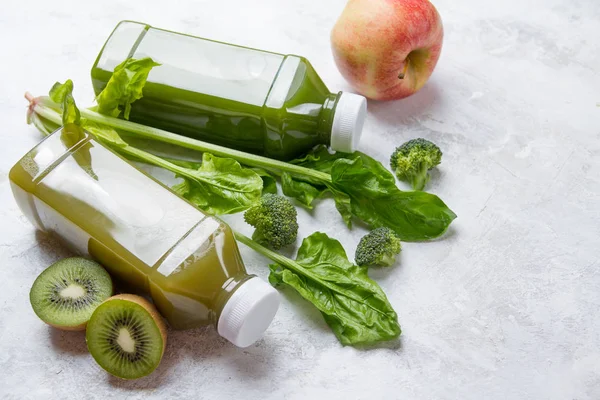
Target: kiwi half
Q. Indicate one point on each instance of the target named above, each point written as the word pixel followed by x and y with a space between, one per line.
pixel 127 336
pixel 66 293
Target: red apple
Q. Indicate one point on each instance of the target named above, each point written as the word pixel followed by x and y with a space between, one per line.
pixel 387 49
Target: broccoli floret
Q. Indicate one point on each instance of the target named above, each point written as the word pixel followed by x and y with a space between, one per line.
pixel 411 161
pixel 275 220
pixel 378 247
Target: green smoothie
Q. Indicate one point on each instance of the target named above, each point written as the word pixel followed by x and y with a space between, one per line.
pixel 147 237
pixel 252 100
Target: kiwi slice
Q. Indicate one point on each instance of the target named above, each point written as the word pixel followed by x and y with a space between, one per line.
pixel 126 336
pixel 66 293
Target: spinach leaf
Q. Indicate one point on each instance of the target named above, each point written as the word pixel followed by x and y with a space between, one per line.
pixel 353 305
pixel 320 159
pixel 343 204
pixel 72 132
pixel 219 185
pixel 269 182
pixel 364 188
pixel 62 93
pixel 413 216
pixel 124 87
pixel 303 192
pixel 108 136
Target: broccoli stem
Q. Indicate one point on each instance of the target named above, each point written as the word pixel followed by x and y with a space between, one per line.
pixel 134 129
pixel 420 179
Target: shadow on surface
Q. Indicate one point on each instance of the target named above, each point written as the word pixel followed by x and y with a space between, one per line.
pixel 152 381
pixel 435 175
pixel 199 345
pixel 400 112
pixel 192 343
pixel 50 244
pixel 72 342
pixel 449 234
pixel 395 345
pixel 379 274
pixel 306 310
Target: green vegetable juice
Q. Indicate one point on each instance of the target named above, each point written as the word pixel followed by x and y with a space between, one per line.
pixel 257 101
pixel 144 234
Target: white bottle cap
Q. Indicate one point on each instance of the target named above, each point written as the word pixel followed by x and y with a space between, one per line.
pixel 248 312
pixel 348 121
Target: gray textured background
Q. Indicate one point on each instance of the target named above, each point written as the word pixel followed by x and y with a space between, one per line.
pixel 506 306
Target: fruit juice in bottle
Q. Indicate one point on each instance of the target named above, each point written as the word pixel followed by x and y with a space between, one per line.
pixel 252 100
pixel 144 234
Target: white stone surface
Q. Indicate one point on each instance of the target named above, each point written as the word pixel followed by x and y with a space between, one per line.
pixel 506 306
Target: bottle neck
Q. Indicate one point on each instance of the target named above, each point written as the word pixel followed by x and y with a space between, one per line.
pixel 326 118
pixel 229 287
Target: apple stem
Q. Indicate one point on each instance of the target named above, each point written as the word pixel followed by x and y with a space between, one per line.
pixel 402 74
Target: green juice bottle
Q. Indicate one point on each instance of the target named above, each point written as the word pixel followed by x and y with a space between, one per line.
pixel 145 235
pixel 252 100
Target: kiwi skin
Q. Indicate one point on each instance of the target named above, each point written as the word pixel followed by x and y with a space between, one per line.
pixel 154 314
pixel 83 325
pixel 78 328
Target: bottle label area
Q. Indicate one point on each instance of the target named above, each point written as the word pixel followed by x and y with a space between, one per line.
pixel 193 64
pixel 105 198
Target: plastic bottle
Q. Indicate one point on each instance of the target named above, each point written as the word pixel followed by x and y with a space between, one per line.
pixel 252 100
pixel 147 237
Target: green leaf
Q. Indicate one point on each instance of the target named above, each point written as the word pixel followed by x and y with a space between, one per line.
pixel 59 91
pixel 353 305
pixel 376 200
pixel 304 192
pixel 305 189
pixel 104 134
pixel 72 132
pixel 275 276
pixel 124 87
pixel 320 159
pixel 62 93
pixel 219 185
pixel 344 206
pixel 269 182
pixel 364 188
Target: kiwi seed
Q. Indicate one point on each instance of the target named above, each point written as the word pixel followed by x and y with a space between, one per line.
pixel 126 336
pixel 66 293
